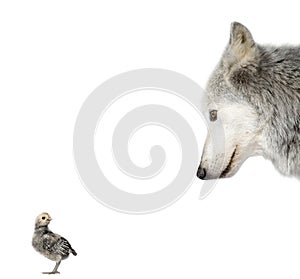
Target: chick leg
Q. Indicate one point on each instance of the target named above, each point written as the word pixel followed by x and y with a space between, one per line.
pixel 54 271
pixel 56 267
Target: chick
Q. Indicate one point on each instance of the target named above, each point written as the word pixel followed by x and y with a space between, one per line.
pixel 49 244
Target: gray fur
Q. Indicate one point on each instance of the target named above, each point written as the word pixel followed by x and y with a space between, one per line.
pixel 267 78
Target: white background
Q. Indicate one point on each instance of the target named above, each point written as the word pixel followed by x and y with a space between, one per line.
pixel 53 54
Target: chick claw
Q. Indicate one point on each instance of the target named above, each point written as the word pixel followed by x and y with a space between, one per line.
pixel 51 272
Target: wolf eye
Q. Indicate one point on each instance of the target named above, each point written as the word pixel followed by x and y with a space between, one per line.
pixel 213 115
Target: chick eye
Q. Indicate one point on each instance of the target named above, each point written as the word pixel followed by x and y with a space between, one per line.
pixel 213 115
pixel 43 217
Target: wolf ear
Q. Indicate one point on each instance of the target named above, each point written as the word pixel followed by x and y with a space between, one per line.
pixel 241 48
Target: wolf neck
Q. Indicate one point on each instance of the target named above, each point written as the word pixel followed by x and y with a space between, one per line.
pixel 271 85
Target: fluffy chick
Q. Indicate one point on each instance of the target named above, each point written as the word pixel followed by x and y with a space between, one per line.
pixel 49 244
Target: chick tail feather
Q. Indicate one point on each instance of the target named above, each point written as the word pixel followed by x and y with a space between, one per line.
pixel 73 252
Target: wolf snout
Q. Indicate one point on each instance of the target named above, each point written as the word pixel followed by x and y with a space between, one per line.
pixel 201 173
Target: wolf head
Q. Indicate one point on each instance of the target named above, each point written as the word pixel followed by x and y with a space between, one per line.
pixel 253 101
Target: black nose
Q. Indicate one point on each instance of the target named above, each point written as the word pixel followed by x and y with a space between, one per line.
pixel 201 173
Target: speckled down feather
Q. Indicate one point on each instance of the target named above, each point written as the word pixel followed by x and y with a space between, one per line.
pixel 51 245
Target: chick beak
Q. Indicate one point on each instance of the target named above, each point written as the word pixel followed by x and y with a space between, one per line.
pixel 49 219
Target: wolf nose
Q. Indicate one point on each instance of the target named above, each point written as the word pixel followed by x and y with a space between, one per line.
pixel 201 173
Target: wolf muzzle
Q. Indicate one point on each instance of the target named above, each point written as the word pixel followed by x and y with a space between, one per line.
pixel 201 173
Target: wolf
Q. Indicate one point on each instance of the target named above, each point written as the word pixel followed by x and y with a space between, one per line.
pixel 254 92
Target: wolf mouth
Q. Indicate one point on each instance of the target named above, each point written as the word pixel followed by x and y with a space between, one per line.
pixel 229 166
